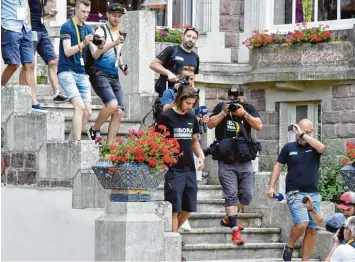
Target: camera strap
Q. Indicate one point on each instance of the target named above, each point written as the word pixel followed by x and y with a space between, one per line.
pixel 109 31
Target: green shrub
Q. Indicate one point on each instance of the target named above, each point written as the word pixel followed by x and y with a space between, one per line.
pixel 331 185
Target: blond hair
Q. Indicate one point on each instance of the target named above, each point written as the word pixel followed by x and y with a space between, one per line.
pixel 84 2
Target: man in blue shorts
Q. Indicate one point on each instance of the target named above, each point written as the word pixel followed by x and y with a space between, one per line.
pixel 75 37
pixel 302 158
pixel 16 44
pixel 104 76
pixel 43 44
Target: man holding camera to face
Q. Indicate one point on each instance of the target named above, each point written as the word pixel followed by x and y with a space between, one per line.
pixel 75 38
pixel 335 223
pixel 302 158
pixel 104 72
pixel 233 121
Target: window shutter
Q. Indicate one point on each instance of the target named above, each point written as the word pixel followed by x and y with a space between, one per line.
pixel 285 116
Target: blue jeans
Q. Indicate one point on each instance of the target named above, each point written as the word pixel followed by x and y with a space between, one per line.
pixel 298 211
pixel 44 47
pixel 16 48
pixel 75 85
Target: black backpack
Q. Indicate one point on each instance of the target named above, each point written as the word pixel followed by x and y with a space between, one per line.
pixel 89 65
pixel 160 85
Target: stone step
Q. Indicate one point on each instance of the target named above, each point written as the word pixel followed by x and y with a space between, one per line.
pixel 46 90
pixel 210 220
pixel 210 205
pixel 67 109
pixel 49 99
pixel 204 192
pixel 222 235
pixel 231 251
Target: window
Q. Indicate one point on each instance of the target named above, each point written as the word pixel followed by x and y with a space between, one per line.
pixel 290 12
pixel 293 113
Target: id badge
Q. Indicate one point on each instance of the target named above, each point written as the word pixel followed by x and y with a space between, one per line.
pixel 116 64
pixel 21 13
pixel 82 61
pixel 42 20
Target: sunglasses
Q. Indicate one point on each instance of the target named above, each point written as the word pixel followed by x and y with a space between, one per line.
pixel 348 203
pixel 191 29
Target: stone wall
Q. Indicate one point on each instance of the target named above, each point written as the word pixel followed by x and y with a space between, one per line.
pixel 232 22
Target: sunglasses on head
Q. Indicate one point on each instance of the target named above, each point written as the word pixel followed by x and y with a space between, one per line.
pixel 189 68
pixel 191 29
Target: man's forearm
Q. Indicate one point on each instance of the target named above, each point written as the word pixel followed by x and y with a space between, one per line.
pixel 216 120
pixel 196 148
pixel 159 68
pixel 69 51
pixel 98 52
pixel 316 218
pixel 313 142
pixel 275 175
pixel 254 122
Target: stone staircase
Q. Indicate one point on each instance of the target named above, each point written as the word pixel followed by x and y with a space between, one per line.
pixel 208 240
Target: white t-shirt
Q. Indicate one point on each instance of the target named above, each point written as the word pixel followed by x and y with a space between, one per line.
pixel 343 253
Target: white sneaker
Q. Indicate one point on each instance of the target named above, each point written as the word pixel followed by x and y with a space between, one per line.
pixel 186 226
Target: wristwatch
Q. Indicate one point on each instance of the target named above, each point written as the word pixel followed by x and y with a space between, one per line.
pixel 246 115
pixel 224 113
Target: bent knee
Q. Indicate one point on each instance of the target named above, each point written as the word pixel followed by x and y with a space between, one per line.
pixel 302 226
pixel 29 66
pixel 112 107
pixel 53 62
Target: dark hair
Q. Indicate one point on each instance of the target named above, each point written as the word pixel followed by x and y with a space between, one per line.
pixel 185 93
pixel 187 29
pixel 84 2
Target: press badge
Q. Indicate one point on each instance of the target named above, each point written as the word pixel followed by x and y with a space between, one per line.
pixel 21 13
pixel 82 61
pixel 116 64
pixel 42 20
pixel 34 36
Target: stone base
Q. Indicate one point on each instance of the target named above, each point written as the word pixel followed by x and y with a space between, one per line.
pixel 129 232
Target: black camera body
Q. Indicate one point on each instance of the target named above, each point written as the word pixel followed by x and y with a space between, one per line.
pixel 234 104
pixel 184 81
pixel 334 227
pixel 97 40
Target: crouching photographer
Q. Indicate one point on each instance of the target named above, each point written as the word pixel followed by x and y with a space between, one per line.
pixel 335 223
pixel 234 150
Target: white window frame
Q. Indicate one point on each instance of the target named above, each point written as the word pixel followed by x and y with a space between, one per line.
pixel 266 18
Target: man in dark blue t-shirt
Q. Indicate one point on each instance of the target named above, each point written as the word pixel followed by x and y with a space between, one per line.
pixel 43 44
pixel 302 158
pixel 75 38
pixel 173 59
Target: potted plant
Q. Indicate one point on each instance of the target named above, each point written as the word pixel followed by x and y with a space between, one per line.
pixel 136 164
pixel 348 171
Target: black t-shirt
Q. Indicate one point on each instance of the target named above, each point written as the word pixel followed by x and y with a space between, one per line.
pixel 190 59
pixel 36 14
pixel 229 127
pixel 302 164
pixel 181 127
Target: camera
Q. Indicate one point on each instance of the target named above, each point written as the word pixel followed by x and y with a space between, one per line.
pixel 334 227
pixel 234 104
pixel 184 81
pixel 291 128
pixel 305 200
pixel 97 40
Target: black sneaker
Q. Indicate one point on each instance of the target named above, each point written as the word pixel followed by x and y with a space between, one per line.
pixel 287 254
pixel 93 134
pixel 182 258
pixel 60 98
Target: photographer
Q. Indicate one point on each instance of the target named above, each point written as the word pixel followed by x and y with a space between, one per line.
pixel 344 252
pixel 166 62
pixel 235 119
pixel 75 37
pixel 302 158
pixel 104 75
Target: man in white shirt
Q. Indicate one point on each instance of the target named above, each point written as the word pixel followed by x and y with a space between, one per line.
pixel 344 252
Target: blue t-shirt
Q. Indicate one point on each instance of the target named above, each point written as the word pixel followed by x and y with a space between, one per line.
pixel 302 167
pixel 36 14
pixel 168 97
pixel 72 63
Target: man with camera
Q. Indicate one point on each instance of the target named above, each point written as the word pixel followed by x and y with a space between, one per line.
pixel 104 73
pixel 334 223
pixel 233 121
pixel 75 37
pixel 302 158
pixel 344 252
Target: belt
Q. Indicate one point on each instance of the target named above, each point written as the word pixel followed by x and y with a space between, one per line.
pixel 100 73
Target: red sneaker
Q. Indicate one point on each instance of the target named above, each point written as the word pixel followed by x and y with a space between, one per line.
pixel 225 222
pixel 237 237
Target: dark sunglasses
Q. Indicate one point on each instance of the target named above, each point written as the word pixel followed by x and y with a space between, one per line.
pixel 346 203
pixel 191 29
pixel 189 68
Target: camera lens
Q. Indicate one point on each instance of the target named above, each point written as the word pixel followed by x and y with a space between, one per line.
pixel 232 107
pixel 97 40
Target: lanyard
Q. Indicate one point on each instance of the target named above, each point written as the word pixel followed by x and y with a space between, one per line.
pixel 42 7
pixel 350 241
pixel 78 36
pixel 117 31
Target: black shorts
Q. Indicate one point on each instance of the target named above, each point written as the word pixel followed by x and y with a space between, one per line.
pixel 180 189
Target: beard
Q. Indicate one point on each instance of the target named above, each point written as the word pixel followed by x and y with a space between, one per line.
pixel 188 45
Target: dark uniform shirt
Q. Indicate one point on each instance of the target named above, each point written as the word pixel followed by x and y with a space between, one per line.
pixel 302 167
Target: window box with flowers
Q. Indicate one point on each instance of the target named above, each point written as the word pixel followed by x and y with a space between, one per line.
pixel 136 164
pixel 348 171
pixel 302 48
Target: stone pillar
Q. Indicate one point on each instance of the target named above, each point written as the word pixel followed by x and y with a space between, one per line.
pixel 129 231
pixel 138 52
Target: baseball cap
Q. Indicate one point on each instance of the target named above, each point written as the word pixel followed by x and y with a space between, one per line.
pixel 117 8
pixel 347 200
